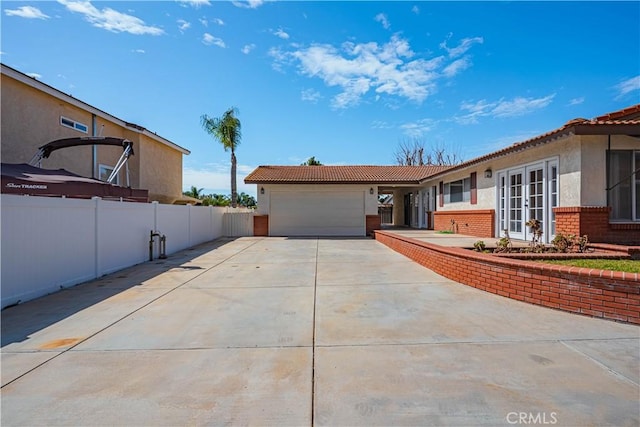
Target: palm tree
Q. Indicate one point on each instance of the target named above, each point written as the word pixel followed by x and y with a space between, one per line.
pixel 215 200
pixel 194 192
pixel 246 200
pixel 226 130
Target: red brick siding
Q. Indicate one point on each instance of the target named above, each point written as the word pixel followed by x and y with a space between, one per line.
pixel 594 222
pixel 595 293
pixel 479 223
pixel 372 223
pixel 261 225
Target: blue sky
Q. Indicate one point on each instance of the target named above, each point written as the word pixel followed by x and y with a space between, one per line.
pixel 344 81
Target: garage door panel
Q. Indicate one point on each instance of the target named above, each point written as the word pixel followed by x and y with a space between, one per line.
pixel 317 213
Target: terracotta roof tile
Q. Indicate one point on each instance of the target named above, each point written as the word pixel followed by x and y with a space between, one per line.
pixel 341 174
pixel 624 113
pixel 610 123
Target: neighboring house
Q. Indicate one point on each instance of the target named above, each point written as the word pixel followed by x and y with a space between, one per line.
pixel 34 114
pixel 579 179
pixel 326 200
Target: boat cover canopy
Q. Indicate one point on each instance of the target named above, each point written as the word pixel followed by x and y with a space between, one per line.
pixel 52 146
pixel 22 178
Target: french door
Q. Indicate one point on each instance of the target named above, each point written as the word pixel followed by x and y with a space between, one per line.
pixel 524 193
pixel 516 204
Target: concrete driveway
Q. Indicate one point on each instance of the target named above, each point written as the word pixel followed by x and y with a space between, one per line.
pixel 299 332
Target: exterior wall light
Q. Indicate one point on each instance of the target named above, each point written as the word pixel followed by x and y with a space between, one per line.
pixel 488 173
pixel 371 191
pixel 261 190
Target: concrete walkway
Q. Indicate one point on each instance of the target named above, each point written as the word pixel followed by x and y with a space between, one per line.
pixel 299 332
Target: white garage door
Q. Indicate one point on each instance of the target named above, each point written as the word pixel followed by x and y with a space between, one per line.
pixel 305 213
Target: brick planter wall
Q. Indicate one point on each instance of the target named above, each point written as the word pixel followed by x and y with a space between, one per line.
pixel 479 223
pixel 596 293
pixel 594 222
pixel 372 223
pixel 261 225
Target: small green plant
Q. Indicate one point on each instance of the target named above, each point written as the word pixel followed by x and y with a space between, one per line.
pixel 479 246
pixel 562 243
pixel 570 243
pixel 583 243
pixel 504 245
pixel 536 244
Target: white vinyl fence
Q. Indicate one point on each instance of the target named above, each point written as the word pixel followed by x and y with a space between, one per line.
pixel 52 243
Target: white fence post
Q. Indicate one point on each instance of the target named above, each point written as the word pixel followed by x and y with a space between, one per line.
pixel 98 253
pixel 155 215
pixel 189 223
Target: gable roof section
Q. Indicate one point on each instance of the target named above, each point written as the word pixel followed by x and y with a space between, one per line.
pixel 623 122
pixel 50 90
pixel 341 174
pixel 626 113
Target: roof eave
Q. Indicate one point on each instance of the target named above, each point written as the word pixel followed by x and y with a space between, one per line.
pixel 57 93
pixel 359 182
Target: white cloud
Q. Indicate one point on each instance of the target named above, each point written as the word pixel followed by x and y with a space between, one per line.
pixel 515 107
pixel 218 21
pixel 209 40
pixel 138 51
pixel 310 95
pixel 382 18
pixel 216 178
pixel 577 101
pixel 281 33
pixel 246 49
pixel 464 45
pixel 415 9
pixel 356 69
pixel 418 128
pixel 28 12
pixel 195 3
pixel 627 86
pixel 520 106
pixel 248 4
pixel 280 58
pixel 183 25
pixel 109 19
pixel 380 124
pixel 457 66
pixel 34 75
pixel 204 21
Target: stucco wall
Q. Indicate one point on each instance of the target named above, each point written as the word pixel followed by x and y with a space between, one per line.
pixel 370 200
pixel 594 160
pixel 31 118
pixel 567 151
pixel 162 172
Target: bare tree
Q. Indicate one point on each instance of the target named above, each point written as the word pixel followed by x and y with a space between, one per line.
pixel 412 152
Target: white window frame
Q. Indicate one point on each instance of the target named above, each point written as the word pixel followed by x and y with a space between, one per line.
pixel 465 183
pixel 73 124
pixel 104 171
pixel 634 185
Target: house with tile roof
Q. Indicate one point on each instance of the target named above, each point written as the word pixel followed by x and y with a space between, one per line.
pixel 327 200
pixel 581 178
pixel 34 114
